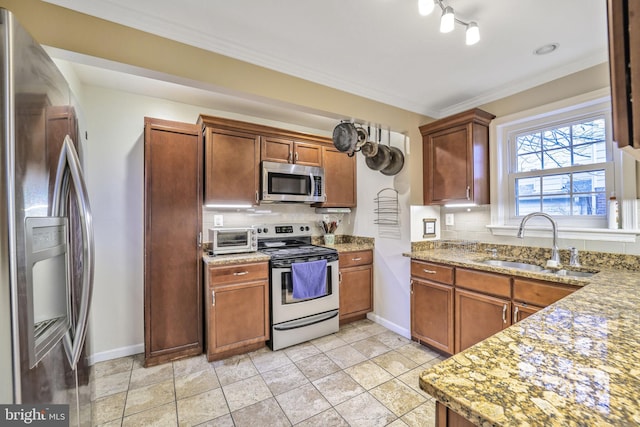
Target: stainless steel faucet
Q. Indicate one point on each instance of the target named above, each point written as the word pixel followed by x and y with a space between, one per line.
pixel 555 256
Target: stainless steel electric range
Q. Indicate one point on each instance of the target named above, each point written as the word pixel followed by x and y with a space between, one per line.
pixel 297 316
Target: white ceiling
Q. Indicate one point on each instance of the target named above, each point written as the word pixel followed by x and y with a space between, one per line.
pixel 383 49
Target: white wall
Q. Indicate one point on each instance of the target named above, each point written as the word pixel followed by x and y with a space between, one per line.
pixel 114 172
pixel 391 270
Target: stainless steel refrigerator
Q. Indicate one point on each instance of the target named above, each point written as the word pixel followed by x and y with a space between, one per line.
pixel 46 234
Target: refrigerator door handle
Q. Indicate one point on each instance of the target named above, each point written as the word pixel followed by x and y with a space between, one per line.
pixel 69 173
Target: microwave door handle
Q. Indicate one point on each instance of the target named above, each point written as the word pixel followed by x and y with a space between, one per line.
pixel 313 184
pixel 69 173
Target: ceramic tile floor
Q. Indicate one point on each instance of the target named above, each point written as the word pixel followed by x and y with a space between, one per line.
pixel 363 375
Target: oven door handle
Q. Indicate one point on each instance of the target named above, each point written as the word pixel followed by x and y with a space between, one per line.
pixel 311 320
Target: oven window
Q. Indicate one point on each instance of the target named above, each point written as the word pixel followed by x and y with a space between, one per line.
pixel 232 239
pixel 287 288
pixel 282 183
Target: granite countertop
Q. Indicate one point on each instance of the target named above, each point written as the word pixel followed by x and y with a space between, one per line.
pixel 343 244
pixel 575 363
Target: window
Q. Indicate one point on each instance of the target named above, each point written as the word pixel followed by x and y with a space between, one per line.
pixel 561 169
pixel 559 159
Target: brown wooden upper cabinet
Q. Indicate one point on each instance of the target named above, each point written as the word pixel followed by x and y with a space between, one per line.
pixel 289 151
pixel 234 151
pixel 339 178
pixel 624 63
pixel 456 159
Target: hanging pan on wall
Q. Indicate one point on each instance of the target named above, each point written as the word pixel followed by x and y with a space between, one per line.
pixel 345 137
pixel 370 148
pixel 396 161
pixel 382 157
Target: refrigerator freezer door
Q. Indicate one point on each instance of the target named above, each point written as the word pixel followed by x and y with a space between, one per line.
pixel 69 175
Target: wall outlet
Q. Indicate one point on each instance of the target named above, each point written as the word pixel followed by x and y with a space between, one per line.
pixel 448 219
pixel 217 221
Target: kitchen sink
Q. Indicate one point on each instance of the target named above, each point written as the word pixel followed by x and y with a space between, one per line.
pixel 512 264
pixel 569 273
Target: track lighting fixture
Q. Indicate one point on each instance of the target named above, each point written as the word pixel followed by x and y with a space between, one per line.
pixel 448 20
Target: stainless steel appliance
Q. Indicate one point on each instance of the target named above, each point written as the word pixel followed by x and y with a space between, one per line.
pixel 285 182
pixel 46 234
pixel 233 240
pixel 293 319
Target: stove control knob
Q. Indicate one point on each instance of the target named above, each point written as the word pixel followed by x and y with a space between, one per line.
pixel 265 230
pixel 306 227
pixel 259 230
pixel 301 228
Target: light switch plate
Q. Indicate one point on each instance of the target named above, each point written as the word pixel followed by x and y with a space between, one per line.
pixel 448 219
pixel 217 221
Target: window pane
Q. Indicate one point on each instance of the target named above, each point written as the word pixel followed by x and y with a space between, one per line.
pixel 527 186
pixel 560 158
pixel 589 132
pixel 556 184
pixel 590 153
pixel 584 182
pixel 589 204
pixel 528 143
pixel 557 204
pixel 529 162
pixel 527 205
pixel 556 138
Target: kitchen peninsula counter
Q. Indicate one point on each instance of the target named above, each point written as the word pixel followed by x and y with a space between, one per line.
pixel 574 363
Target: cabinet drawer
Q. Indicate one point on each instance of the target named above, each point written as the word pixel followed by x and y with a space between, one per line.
pixel 433 272
pixel 238 273
pixel 539 293
pixel 351 259
pixel 489 283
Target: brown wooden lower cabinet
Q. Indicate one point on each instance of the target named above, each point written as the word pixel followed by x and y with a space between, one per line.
pixel 445 417
pixel 236 309
pixel 478 316
pixel 356 285
pixel 522 311
pixel 432 314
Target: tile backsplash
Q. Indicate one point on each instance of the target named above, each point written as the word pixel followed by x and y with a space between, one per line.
pixel 274 214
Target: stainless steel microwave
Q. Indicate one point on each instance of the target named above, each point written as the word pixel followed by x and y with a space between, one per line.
pixel 284 182
pixel 233 240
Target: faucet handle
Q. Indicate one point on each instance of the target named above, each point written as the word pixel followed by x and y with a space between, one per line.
pixel 494 252
pixel 574 258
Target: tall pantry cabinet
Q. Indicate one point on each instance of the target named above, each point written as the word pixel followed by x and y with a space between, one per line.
pixel 172 256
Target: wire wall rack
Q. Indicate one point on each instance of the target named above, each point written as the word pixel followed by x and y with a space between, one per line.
pixel 387 207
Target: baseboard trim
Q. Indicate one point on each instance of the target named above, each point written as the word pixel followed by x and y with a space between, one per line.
pixel 389 325
pixel 115 353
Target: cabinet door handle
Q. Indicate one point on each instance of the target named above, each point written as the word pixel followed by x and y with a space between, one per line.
pixel 504 313
pixel 199 243
pixel 356 259
pixel 295 156
pixel 290 159
pixel 468 192
pixel 429 271
pixel 340 277
pixel 213 297
pixel 240 273
pixel 257 197
pixel 516 311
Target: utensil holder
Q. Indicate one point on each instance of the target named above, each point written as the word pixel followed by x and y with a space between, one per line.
pixel 329 239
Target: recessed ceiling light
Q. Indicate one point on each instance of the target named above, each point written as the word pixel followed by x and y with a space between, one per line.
pixel 547 48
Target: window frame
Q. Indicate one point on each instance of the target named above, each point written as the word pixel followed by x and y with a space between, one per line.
pixel 582 114
pixel 502 197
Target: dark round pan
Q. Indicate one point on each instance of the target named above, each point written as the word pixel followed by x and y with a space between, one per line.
pixel 395 163
pixel 381 160
pixel 345 137
pixel 363 135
